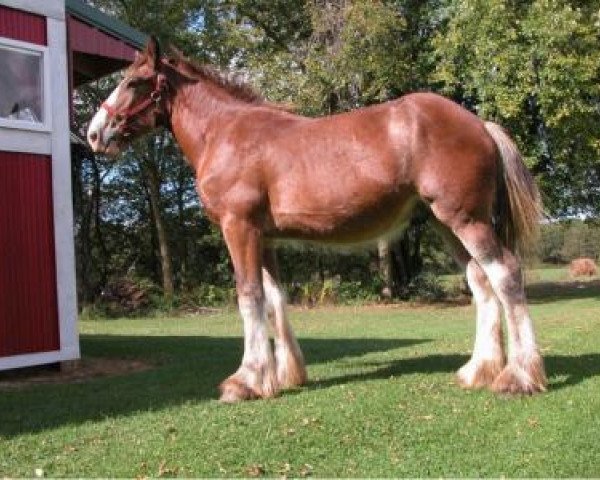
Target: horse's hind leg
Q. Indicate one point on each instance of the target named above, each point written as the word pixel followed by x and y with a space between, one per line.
pixel 291 371
pixel 524 372
pixel 256 376
pixel 488 358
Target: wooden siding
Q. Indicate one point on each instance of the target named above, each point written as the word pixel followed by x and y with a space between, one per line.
pixel 86 39
pixel 28 296
pixel 23 26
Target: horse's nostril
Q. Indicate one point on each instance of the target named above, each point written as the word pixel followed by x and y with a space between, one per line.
pixel 93 136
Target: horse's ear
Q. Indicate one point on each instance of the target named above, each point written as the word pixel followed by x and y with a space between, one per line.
pixel 153 52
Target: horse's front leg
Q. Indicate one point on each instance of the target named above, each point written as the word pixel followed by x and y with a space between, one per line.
pixel 291 371
pixel 256 377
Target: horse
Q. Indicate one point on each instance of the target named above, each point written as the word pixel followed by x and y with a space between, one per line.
pixel 267 175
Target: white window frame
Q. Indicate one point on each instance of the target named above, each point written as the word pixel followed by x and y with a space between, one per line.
pixel 46 125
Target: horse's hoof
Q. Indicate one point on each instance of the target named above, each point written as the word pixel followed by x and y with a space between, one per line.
pixel 291 373
pixel 233 390
pixel 516 379
pixel 292 379
pixel 249 383
pixel 474 375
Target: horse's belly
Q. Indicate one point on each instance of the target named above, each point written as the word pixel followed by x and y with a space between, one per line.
pixel 345 225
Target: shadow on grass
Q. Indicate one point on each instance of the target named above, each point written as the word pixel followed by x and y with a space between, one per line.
pixel 562 370
pixel 546 292
pixel 187 369
pixel 397 368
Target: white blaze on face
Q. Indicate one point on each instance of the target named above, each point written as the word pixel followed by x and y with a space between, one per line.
pixel 100 133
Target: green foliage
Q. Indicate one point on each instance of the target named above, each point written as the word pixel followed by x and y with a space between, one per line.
pixel 426 286
pixel 358 292
pixel 533 66
pixel 581 240
pixel 562 242
pixel 552 237
pixel 349 64
pixel 334 291
pixel 208 295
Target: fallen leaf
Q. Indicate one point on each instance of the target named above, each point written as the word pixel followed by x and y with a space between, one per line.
pixel 425 417
pixel 255 470
pixel 306 470
pixel 164 470
pixel 533 422
pixel 285 469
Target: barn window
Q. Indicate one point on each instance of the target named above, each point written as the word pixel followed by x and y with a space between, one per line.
pixel 22 85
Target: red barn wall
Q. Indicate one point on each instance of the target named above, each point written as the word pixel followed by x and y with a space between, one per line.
pixel 23 26
pixel 28 298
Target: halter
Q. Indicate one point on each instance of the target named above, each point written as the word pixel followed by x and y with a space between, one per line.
pixel 155 97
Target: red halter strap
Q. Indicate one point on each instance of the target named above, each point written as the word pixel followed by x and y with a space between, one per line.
pixel 155 97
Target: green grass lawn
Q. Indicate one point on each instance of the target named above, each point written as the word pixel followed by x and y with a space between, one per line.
pixel 381 400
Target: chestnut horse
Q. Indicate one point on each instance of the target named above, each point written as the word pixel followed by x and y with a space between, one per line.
pixel 265 174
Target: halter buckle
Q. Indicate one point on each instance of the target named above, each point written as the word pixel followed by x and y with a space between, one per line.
pixel 156 96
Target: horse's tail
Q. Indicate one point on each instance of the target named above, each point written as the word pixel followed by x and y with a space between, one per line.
pixel 518 208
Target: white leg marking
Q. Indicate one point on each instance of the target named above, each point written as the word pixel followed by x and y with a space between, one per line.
pixel 524 372
pixel 521 341
pixel 257 350
pixel 488 352
pixel 256 376
pixel 288 356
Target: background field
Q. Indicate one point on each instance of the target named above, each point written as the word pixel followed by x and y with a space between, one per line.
pixel 381 400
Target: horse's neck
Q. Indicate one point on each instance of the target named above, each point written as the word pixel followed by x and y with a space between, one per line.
pixel 196 110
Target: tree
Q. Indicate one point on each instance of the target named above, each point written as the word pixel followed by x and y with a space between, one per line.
pixel 534 67
pixel 172 23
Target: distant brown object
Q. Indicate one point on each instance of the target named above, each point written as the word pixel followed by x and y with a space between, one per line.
pixel 124 296
pixel 583 267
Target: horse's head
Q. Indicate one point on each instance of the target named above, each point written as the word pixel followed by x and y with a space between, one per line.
pixel 135 107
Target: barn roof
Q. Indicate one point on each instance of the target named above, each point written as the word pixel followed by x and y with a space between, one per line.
pixel 110 25
pixel 100 44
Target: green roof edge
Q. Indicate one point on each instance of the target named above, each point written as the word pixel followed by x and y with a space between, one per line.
pixel 106 23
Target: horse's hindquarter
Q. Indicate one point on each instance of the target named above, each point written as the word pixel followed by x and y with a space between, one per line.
pixel 341 179
pixel 455 160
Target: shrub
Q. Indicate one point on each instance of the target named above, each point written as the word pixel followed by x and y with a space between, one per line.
pixel 207 295
pixel 333 290
pixel 425 286
pixel 123 296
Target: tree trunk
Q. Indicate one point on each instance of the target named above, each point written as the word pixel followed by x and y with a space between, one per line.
pixel 406 256
pixel 385 268
pixel 153 184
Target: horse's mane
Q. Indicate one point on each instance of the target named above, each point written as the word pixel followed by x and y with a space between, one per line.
pixel 192 71
pixel 232 84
